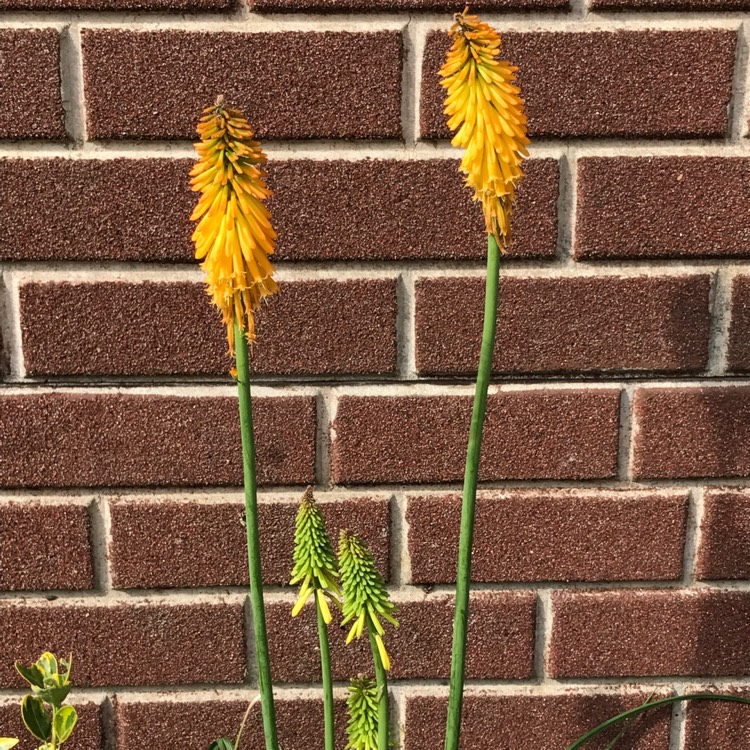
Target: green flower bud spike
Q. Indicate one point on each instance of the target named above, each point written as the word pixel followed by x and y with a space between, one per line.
pixel 365 597
pixel 362 702
pixel 314 560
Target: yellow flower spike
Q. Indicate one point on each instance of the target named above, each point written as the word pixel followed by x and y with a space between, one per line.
pixel 234 235
pixel 484 108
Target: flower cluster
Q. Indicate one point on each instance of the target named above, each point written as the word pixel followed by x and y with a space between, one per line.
pixel 484 107
pixel 362 728
pixel 234 236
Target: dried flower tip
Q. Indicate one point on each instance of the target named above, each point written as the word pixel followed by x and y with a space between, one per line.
pixel 366 599
pixel 362 702
pixel 314 560
pixel 484 107
pixel 234 235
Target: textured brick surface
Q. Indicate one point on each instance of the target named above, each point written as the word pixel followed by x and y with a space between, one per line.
pixel 161 329
pixel 723 726
pixel 566 324
pixel 624 83
pixel 31 104
pixel 553 535
pixel 738 355
pixel 87 735
pixel 154 541
pixel 662 207
pixel 725 535
pixel 389 209
pixel 394 5
pixel 649 5
pixel 692 432
pixel 531 722
pixel 501 640
pixel 289 85
pixel 44 545
pixel 115 5
pixel 568 434
pixel 128 644
pixel 172 720
pixel 96 440
pixel 624 633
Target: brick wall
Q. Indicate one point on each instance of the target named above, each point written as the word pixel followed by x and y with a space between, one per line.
pixel 613 537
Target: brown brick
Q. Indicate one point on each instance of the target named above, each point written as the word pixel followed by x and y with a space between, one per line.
pixel 692 432
pixel 738 358
pixel 31 104
pixel 501 640
pixel 649 5
pixel 724 551
pixel 559 535
pixel 119 5
pixel 662 207
pixel 290 85
pixel 649 633
pixel 86 736
pixel 662 84
pixel 144 723
pixel 566 324
pixel 389 209
pixel 145 215
pixel 531 722
pixel 162 329
pixel 154 540
pixel 555 434
pixel 720 726
pixel 98 440
pixel 128 644
pixel 44 546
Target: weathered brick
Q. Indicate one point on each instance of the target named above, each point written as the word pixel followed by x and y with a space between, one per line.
pixel 128 644
pixel 141 722
pixel 87 735
pixel 738 355
pixel 98 440
pixel 335 6
pixel 649 5
pixel 388 210
pixel 531 722
pixel 566 324
pixel 649 633
pixel 120 5
pixel 692 432
pixel 31 103
pixel 662 207
pixel 501 640
pixel 171 328
pixel 290 85
pixel 661 84
pixel 720 726
pixel 539 535
pixel 44 545
pixel 154 540
pixel 554 434
pixel 724 551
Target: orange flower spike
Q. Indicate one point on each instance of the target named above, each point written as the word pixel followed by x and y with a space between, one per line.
pixel 234 235
pixel 484 108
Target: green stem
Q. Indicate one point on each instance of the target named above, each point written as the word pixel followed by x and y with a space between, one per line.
pixel 325 669
pixel 463 580
pixel 382 682
pixel 253 542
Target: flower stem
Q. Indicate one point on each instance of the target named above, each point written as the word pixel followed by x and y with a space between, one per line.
pixel 325 670
pixel 253 541
pixel 463 579
pixel 382 683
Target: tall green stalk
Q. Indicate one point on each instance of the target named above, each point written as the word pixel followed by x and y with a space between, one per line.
pixel 325 670
pixel 253 541
pixel 382 682
pixel 463 579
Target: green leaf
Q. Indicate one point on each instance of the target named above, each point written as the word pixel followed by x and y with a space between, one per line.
pixel 47 663
pixel 35 717
pixel 223 743
pixel 33 675
pixel 65 721
pixel 53 695
pixel 6 743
